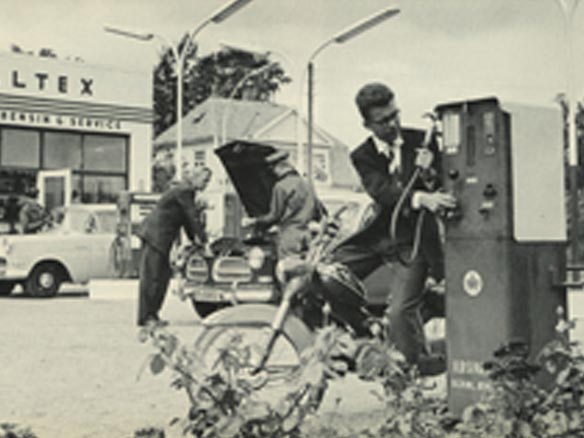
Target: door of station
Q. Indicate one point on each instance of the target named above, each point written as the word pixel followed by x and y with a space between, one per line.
pixel 54 188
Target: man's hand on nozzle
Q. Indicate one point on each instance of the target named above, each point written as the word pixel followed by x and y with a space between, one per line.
pixel 424 158
pixel 247 222
pixel 436 200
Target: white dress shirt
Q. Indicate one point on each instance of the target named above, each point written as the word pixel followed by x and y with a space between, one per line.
pixel 386 149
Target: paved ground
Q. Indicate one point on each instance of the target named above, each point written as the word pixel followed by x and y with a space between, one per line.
pixel 70 366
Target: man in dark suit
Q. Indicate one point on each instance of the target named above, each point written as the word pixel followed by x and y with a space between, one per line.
pixel 176 209
pixel 385 163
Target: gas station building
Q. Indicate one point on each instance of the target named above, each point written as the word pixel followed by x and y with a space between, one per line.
pixel 73 129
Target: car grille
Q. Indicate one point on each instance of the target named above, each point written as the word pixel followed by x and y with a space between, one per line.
pixel 196 269
pixel 231 269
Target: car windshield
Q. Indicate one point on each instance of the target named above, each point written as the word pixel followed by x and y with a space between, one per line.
pixel 90 221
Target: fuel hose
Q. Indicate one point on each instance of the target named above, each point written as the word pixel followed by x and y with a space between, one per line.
pixel 407 261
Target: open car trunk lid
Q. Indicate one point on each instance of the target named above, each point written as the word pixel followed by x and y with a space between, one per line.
pixel 245 164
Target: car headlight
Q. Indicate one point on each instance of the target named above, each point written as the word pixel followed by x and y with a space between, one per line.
pixel 196 269
pixel 231 269
pixel 256 258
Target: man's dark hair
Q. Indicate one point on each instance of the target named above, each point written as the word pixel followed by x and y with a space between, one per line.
pixel 371 96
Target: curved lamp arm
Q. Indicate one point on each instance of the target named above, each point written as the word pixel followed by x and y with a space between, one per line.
pixel 225 115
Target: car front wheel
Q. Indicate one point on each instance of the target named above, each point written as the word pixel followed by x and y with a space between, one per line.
pixel 6 288
pixel 44 281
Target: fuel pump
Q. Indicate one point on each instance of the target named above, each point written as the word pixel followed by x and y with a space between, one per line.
pixel 505 241
pixel 125 249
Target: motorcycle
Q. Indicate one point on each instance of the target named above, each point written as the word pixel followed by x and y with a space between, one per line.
pixel 316 292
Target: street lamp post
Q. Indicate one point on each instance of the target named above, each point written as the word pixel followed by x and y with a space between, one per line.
pixel 351 32
pixel 226 113
pixel 568 8
pixel 179 56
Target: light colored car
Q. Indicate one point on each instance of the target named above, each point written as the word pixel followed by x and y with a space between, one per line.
pixel 75 249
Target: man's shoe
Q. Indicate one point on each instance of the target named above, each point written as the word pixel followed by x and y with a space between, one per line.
pixel 153 320
pixel 431 365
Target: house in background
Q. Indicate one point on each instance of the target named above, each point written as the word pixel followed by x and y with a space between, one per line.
pixel 218 121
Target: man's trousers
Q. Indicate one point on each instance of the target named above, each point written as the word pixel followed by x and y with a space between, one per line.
pixel 407 293
pixel 155 275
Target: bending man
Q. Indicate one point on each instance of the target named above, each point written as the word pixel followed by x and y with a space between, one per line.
pixel 176 209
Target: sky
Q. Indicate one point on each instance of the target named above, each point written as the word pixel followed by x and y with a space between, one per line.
pixel 432 52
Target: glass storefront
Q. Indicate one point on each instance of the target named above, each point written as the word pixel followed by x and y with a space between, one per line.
pixel 99 162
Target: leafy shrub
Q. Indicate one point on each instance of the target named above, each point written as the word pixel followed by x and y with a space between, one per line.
pixel 223 401
pixel 517 407
pixel 224 404
pixel 11 430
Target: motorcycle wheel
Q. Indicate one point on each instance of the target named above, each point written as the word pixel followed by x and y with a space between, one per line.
pixel 280 374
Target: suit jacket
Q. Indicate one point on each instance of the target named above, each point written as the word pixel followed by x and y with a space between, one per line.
pixel 386 189
pixel 175 209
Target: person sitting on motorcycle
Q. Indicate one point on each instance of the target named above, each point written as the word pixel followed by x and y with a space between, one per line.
pixel 385 162
pixel 293 206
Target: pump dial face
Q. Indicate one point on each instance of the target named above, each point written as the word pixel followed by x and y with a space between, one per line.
pixel 472 283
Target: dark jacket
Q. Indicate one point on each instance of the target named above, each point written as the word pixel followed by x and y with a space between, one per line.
pixel 292 206
pixel 386 189
pixel 175 209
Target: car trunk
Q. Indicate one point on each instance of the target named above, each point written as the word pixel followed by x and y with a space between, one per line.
pixel 250 174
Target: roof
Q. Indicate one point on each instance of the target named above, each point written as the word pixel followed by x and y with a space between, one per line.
pixel 263 122
pixel 242 118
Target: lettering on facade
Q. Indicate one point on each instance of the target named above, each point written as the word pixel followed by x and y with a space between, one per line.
pixel 32 118
pixel 42 81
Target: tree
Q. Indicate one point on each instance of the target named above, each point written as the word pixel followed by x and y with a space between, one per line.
pixel 562 101
pixel 215 74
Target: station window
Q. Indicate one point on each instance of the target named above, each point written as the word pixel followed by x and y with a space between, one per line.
pixel 62 150
pixel 20 147
pixel 98 189
pixel 99 162
pixel 104 153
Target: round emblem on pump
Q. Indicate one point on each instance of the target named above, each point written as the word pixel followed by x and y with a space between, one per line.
pixel 472 283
